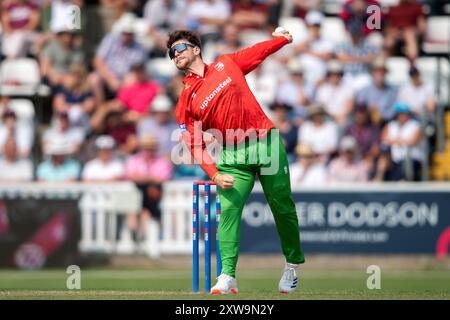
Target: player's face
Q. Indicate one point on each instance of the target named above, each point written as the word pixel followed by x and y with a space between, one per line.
pixel 183 54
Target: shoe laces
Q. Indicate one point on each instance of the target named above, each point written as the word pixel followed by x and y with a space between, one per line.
pixel 289 274
pixel 224 277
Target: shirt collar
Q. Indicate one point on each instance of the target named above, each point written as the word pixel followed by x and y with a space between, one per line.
pixel 193 76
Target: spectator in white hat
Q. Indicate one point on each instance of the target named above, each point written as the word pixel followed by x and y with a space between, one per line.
pixel 308 170
pixel 160 122
pixel 347 167
pixel 320 132
pixel 58 167
pixel 296 92
pixel 116 54
pixel 335 94
pixel 104 167
pixel 315 50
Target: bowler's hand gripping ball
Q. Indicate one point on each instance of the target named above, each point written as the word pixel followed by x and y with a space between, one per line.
pixel 280 30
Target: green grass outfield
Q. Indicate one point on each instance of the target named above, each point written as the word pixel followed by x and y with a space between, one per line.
pixel 260 284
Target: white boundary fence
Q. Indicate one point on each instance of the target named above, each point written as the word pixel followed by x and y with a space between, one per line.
pixel 101 205
pixel 176 207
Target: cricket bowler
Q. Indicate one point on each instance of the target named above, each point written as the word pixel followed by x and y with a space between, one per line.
pixel 217 96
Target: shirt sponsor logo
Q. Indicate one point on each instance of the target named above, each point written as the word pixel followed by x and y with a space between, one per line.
pixel 211 96
pixel 219 66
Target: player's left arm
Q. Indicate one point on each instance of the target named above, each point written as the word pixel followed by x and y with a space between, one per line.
pixel 248 59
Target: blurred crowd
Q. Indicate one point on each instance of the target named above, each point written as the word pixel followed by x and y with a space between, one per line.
pixel 113 89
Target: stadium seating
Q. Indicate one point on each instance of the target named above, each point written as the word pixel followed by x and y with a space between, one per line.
pixel 433 70
pixel 436 71
pixel 161 69
pixel 21 77
pixel 296 27
pixel 398 70
pixel 334 29
pixel 24 110
pixel 437 38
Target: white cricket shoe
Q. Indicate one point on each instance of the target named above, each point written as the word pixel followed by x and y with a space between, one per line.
pixel 225 284
pixel 289 280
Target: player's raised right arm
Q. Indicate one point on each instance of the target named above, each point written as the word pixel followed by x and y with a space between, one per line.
pixel 250 58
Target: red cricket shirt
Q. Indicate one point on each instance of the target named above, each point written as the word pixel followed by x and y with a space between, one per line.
pixel 222 100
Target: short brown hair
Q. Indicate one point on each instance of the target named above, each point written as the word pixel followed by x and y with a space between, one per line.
pixel 190 36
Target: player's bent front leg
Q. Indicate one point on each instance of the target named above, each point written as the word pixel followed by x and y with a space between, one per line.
pixel 232 203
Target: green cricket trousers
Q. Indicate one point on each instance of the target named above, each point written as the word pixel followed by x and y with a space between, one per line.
pixel 267 159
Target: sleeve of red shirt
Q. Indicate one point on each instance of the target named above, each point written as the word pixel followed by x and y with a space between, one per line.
pixel 248 59
pixel 192 135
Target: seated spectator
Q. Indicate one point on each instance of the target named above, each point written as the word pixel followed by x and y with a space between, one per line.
pixel 320 134
pixel 308 171
pixel 22 134
pixel 418 95
pixel 249 14
pixel 378 96
pixel 163 16
pixel 58 55
pixel 207 17
pixel 175 86
pixel 75 98
pixel 296 92
pixel 384 169
pixel 58 167
pixel 13 168
pixel 347 167
pixel 104 167
pixel 335 95
pixel 148 171
pixel 160 122
pixel 263 84
pixel 288 131
pixel 61 130
pixel 404 137
pixel 315 50
pixel 355 15
pixel 405 21
pixel 137 92
pixel 116 123
pixel 356 55
pixel 229 42
pixel 20 19
pixel 116 55
pixel 301 7
pixel 366 134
